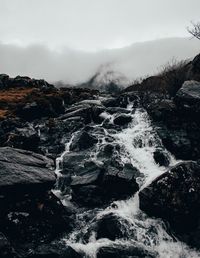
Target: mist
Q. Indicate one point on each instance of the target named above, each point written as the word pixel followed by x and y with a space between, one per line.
pixel 74 66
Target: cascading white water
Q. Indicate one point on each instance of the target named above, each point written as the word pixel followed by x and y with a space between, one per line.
pixel 138 141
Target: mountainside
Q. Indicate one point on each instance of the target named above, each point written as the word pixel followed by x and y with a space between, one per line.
pixel 85 173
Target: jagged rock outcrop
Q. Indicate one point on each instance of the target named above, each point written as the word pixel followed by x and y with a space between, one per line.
pixel 175 196
pixel 187 99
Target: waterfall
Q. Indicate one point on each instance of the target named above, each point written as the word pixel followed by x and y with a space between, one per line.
pixel 138 142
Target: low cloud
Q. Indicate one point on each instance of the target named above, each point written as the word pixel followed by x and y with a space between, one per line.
pixel 72 66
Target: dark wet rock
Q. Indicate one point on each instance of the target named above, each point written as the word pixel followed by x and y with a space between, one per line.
pixel 128 98
pixel 26 138
pixel 188 98
pixel 113 110
pixel 35 219
pixel 83 111
pixel 41 106
pixel 77 171
pixel 23 81
pixel 31 213
pixel 117 184
pixel 107 124
pixel 110 102
pixel 90 174
pixel 89 112
pixel 125 251
pixel 194 69
pixel 3 80
pixel 6 250
pixel 89 196
pixel 83 141
pixel 163 110
pixel 54 133
pixel 161 157
pixel 72 164
pixel 179 143
pixel 54 250
pixel 108 150
pixel 174 196
pixel 6 127
pixel 85 185
pixel 102 185
pixel 98 184
pixel 122 119
pixel 112 227
pixel 179 129
pixel 95 113
pixel 23 170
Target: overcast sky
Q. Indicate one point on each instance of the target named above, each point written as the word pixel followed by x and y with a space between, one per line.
pixel 94 24
pixel 70 39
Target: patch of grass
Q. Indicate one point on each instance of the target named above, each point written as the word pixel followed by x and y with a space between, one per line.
pixel 168 81
pixel 174 74
pixel 3 113
pixel 14 95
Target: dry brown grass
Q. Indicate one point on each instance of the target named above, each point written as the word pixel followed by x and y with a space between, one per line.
pixel 14 95
pixel 3 113
pixel 168 81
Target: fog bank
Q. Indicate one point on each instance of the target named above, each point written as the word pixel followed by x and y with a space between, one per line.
pixel 73 66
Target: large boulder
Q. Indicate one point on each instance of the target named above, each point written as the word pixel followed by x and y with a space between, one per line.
pixel 119 183
pixel 24 171
pixel 188 98
pixel 102 185
pixel 175 197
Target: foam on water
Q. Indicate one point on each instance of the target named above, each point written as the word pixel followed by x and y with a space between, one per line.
pixel 139 141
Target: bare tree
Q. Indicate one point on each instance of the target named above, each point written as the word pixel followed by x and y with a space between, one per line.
pixel 195 30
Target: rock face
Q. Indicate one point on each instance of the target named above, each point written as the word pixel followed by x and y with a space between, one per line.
pixel 20 170
pixel 188 98
pixel 175 197
pixel 177 123
pixel 31 213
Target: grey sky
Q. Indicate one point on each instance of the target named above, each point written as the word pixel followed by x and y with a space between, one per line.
pixel 94 24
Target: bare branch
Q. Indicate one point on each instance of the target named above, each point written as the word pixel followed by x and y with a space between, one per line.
pixel 195 30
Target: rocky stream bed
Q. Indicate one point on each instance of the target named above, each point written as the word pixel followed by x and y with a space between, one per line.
pixel 89 174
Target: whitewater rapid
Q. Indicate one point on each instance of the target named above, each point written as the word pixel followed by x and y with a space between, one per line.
pixel 138 142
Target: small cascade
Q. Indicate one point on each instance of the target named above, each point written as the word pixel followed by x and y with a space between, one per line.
pixel 138 143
